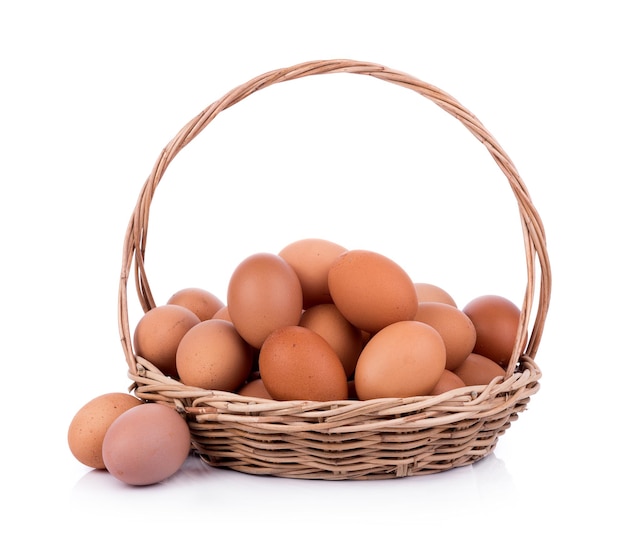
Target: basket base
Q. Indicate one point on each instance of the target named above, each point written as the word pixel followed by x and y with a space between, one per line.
pixel 366 474
pixel 347 440
pixel 399 455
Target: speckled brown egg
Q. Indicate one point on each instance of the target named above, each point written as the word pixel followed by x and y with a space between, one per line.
pixel 311 259
pixel 403 359
pixel 264 294
pixel 201 302
pixel 298 364
pixel 454 326
pixel 345 338
pixel 158 333
pixel 212 355
pixel 90 424
pixel 371 290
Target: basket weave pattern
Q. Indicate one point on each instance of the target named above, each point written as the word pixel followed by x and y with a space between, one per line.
pixel 348 439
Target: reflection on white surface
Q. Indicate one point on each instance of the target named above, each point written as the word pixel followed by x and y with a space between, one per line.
pixel 221 496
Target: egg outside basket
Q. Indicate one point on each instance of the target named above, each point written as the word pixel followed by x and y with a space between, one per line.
pixel 376 439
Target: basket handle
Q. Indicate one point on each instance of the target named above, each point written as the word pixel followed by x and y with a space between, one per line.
pixel 532 227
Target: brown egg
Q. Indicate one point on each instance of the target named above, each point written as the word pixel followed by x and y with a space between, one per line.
pixel 201 302
pixel 158 333
pixel 222 314
pixel 264 294
pixel 311 258
pixel 298 364
pixel 371 290
pixel 90 424
pixel 254 388
pixel 213 356
pixel 448 381
pixel 345 338
pixel 454 326
pixel 496 320
pixel 146 444
pixel 432 293
pixel 404 359
pixel 478 370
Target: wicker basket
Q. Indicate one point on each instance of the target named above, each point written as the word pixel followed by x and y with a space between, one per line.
pixel 377 439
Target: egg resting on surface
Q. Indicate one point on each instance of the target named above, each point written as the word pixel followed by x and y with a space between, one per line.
pixel 146 445
pixel 90 423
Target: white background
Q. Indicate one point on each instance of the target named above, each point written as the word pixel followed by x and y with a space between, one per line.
pixel 90 93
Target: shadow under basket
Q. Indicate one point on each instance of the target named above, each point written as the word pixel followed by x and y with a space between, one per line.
pixel 348 439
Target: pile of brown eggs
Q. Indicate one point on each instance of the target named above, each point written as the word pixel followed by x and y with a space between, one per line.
pixel 315 321
pixel 319 322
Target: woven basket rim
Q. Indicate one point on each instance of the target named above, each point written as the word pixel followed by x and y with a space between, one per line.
pixel 194 401
pixel 134 248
